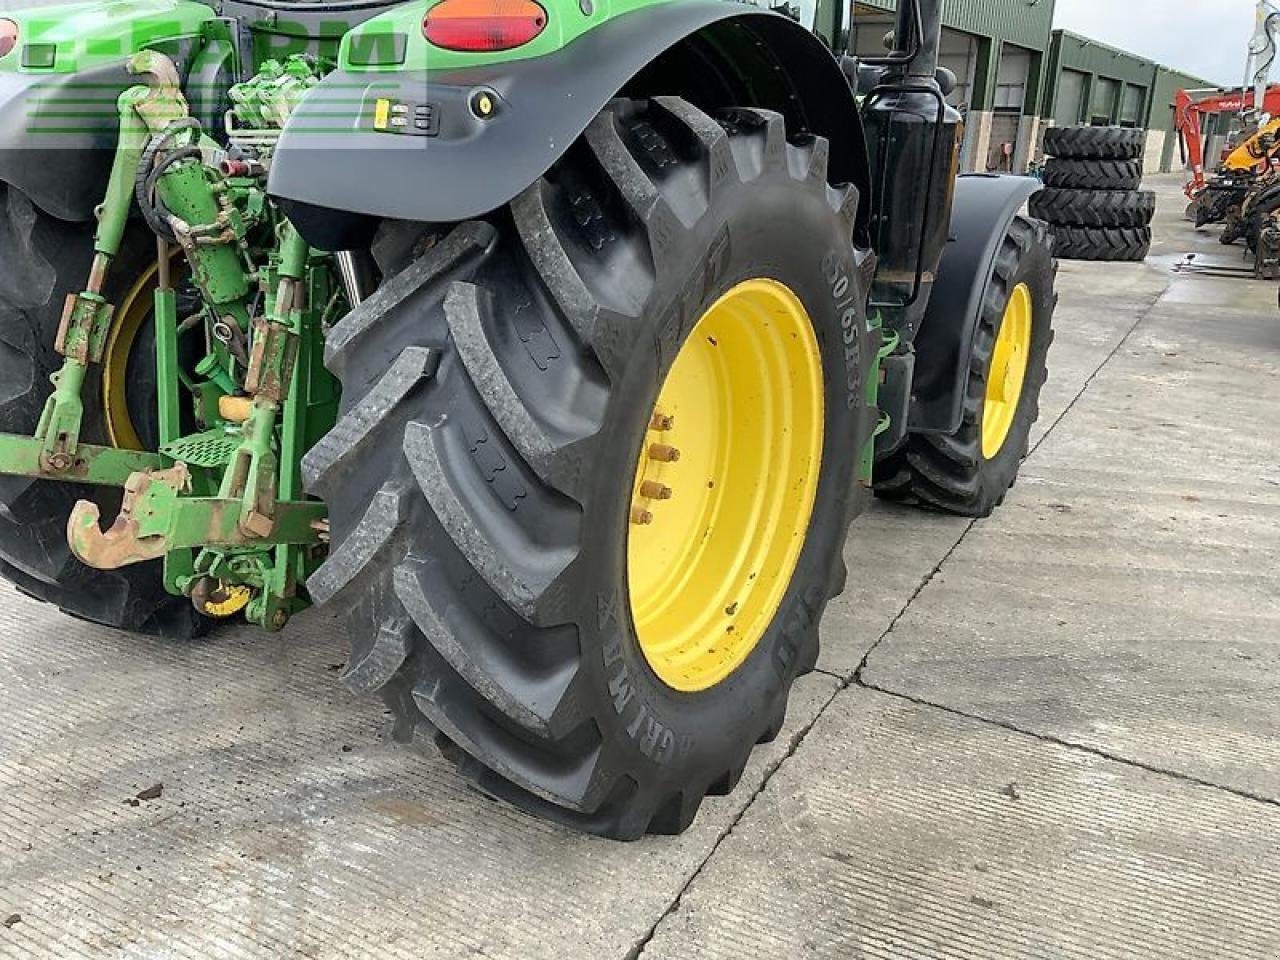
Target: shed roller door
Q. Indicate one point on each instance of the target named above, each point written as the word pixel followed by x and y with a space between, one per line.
pixel 1069 110
pixel 1131 106
pixel 1104 100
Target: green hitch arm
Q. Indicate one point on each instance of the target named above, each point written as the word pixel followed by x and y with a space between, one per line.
pixel 90 464
pixel 254 473
pixel 198 221
pixel 113 214
pixel 87 317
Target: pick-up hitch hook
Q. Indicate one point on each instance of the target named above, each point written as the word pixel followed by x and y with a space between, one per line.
pixel 123 544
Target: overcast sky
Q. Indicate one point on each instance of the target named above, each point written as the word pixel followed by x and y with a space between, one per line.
pixel 1208 38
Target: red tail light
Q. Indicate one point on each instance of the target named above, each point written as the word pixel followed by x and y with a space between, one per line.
pixel 483 26
pixel 8 37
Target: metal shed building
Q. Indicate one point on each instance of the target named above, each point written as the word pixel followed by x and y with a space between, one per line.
pixel 1017 75
pixel 997 49
pixel 1091 82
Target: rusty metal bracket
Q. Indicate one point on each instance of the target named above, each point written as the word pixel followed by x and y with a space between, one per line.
pixel 85 326
pixel 157 517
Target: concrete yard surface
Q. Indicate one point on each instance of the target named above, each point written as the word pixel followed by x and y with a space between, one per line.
pixel 1051 734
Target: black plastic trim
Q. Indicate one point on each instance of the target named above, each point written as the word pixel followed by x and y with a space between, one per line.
pixel 894 399
pixel 984 207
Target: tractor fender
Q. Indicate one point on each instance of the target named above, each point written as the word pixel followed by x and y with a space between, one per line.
pixel 59 131
pixel 58 136
pixel 337 176
pixel 984 207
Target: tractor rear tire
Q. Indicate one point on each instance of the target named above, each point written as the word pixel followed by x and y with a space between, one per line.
pixel 1094 208
pixel 958 473
pixel 1093 174
pixel 1094 143
pixel 43 260
pixel 1113 245
pixel 496 400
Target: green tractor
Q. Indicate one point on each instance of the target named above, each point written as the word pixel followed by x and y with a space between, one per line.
pixel 552 344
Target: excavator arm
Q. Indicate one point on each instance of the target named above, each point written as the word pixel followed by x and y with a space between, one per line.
pixel 1262 56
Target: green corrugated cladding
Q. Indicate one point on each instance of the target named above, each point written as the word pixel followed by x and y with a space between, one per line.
pixel 1089 56
pixel 1069 51
pixel 1168 83
pixel 1014 21
pixel 1098 62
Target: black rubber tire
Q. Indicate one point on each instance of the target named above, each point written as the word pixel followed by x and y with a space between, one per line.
pixel 495 396
pixel 43 260
pixel 1093 174
pixel 1094 208
pixel 1094 143
pixel 948 472
pixel 1106 245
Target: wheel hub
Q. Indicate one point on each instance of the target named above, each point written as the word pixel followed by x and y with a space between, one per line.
pixel 724 490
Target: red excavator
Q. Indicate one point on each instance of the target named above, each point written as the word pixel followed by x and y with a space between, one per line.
pixel 1254 152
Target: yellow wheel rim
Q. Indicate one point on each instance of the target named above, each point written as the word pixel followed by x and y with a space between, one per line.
pixel 1008 371
pixel 130 316
pixel 725 487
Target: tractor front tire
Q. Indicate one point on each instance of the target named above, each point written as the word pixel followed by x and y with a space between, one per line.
pixel 483 482
pixel 969 472
pixel 45 259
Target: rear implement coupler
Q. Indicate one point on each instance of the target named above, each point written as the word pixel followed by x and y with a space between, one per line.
pixel 220 501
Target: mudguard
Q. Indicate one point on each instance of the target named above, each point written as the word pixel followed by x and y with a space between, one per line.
pixel 984 207
pixel 59 120
pixel 335 173
pixel 58 136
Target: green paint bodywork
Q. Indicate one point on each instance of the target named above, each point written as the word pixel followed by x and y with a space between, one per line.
pixel 566 22
pixel 90 35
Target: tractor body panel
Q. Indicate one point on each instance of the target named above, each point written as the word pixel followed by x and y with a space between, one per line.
pixel 984 207
pixel 59 122
pixel 430 156
pixel 54 147
pixel 78 37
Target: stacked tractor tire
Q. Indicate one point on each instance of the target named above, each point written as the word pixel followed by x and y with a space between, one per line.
pixel 1091 199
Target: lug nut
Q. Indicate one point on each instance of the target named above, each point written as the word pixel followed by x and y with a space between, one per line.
pixel 655 491
pixel 641 517
pixel 661 422
pixel 663 453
